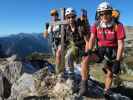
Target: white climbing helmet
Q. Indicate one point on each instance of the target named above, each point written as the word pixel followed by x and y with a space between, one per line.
pixel 70 11
pixel 104 6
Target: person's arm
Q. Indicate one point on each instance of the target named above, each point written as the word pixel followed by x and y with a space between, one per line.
pixel 86 38
pixel 91 41
pixel 47 29
pixel 88 42
pixel 45 34
pixel 120 50
pixel 116 65
pixel 120 42
pixel 120 36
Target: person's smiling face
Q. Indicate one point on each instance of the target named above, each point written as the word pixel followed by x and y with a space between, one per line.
pixel 105 16
pixel 54 17
pixel 71 18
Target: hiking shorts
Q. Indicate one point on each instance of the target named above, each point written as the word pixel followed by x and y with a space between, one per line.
pixel 107 55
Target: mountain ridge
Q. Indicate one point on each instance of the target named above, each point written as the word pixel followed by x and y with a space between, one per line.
pixel 23 44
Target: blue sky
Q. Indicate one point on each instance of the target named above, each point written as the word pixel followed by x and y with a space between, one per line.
pixel 29 16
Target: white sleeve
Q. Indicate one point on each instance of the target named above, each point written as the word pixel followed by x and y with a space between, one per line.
pixel 49 29
pixel 56 28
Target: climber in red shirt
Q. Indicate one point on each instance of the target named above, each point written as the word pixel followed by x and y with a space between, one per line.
pixel 109 37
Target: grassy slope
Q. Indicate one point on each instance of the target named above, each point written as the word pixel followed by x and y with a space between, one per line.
pixel 97 72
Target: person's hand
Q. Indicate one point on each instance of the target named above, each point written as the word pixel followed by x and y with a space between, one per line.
pixel 45 34
pixel 88 53
pixel 116 67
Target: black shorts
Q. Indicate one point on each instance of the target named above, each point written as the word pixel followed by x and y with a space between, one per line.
pixel 106 53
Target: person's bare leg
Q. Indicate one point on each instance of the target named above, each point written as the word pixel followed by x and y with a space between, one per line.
pixel 58 60
pixel 69 63
pixel 84 74
pixel 108 79
pixel 84 68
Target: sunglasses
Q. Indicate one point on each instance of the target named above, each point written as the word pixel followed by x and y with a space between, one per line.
pixel 54 15
pixel 69 17
pixel 105 13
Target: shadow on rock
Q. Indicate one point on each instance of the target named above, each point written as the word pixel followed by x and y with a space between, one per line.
pixel 5 86
pixel 37 98
pixel 124 91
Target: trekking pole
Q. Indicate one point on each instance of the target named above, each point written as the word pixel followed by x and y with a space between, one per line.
pixel 61 68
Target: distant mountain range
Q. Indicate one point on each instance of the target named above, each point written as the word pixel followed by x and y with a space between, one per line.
pixel 23 44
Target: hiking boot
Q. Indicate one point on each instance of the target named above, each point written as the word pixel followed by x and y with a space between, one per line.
pixel 83 88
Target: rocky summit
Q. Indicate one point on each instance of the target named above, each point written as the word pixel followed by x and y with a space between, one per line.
pixel 20 80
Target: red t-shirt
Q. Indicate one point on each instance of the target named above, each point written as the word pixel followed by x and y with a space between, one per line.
pixel 108 36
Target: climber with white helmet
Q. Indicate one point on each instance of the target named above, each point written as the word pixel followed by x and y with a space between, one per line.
pixel 74 42
pixel 109 36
